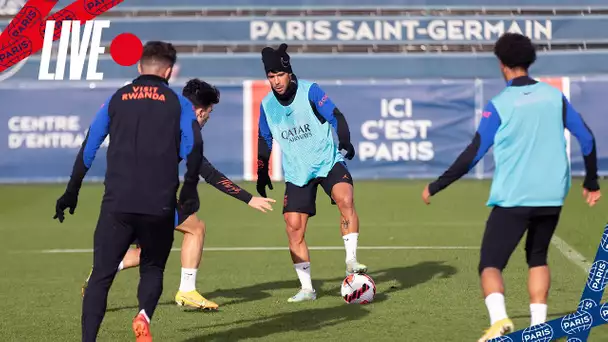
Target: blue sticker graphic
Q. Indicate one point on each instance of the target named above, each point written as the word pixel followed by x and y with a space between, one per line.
pixel 577 325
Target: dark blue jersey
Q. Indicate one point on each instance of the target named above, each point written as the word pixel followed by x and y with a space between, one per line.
pixel 151 128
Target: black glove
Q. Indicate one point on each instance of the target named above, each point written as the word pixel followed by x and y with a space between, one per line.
pixel 350 150
pixel 188 198
pixel 263 178
pixel 68 200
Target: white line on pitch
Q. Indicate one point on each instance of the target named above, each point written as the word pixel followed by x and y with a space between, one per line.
pixel 384 224
pixel 318 248
pixel 572 254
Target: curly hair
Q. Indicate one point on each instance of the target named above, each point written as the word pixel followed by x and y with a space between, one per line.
pixel 201 93
pixel 515 51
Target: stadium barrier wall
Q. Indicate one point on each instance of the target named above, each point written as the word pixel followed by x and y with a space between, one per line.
pixel 222 66
pixel 400 129
pixel 342 31
pixel 333 30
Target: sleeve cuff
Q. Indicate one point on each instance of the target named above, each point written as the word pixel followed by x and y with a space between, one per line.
pixel 434 188
pixel 591 184
pixel 245 196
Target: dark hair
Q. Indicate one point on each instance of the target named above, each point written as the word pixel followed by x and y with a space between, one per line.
pixel 201 93
pixel 515 50
pixel 159 52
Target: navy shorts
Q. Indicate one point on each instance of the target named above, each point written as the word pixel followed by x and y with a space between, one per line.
pixel 506 227
pixel 302 199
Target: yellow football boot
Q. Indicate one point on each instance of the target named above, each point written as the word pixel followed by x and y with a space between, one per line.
pixel 195 300
pixel 500 328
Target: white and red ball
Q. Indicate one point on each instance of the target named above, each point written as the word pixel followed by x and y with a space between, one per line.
pixel 358 289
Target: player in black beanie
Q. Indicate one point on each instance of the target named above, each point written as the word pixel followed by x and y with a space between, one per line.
pixel 276 60
pixel 278 71
pixel 299 115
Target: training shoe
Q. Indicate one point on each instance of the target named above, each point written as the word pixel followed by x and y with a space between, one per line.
pixel 500 328
pixel 195 300
pixel 355 267
pixel 86 282
pixel 303 295
pixel 141 328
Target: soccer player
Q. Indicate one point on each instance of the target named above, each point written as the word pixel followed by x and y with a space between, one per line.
pixel 525 123
pixel 299 115
pixel 204 96
pixel 150 127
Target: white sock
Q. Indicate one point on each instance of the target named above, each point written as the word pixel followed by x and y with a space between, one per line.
pixel 143 312
pixel 495 303
pixel 303 271
pixel 538 313
pixel 188 282
pixel 121 266
pixel 350 244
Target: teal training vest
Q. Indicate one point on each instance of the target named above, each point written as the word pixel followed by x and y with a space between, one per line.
pixel 307 145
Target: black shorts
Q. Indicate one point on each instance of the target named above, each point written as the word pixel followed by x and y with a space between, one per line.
pixel 302 199
pixel 180 217
pixel 505 228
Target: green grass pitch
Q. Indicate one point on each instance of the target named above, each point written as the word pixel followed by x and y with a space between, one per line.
pixel 423 294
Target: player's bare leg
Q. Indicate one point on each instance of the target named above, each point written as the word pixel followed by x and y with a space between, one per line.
pixel 192 250
pixel 491 281
pixel 539 282
pixel 343 195
pixel 131 259
pixel 194 231
pixel 296 230
pixel 538 241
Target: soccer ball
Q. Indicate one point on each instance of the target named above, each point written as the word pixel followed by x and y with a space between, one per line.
pixel 358 289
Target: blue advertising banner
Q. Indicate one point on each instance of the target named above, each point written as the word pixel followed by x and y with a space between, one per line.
pixel 588 98
pixel 355 30
pixel 360 3
pixel 40 139
pixel 223 133
pixel 406 130
pixel 399 129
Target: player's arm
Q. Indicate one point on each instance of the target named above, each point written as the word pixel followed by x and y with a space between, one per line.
pixel 225 185
pixel 264 140
pixel 219 181
pixel 472 154
pixel 98 131
pixel 574 122
pixel 325 107
pixel 190 150
pixel 264 150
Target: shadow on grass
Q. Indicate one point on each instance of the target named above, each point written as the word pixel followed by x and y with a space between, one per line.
pixel 400 278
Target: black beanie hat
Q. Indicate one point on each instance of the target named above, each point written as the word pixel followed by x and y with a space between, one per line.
pixel 276 60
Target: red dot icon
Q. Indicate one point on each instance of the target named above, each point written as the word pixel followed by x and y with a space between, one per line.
pixel 126 49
